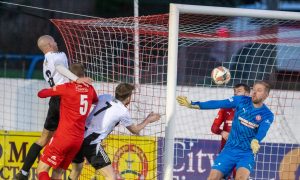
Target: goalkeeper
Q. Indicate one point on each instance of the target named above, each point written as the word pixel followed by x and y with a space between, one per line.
pixel 251 122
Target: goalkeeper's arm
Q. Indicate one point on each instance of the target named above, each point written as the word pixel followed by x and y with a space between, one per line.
pixel 183 101
pixel 213 104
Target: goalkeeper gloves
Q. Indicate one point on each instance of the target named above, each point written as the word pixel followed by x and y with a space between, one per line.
pixel 183 101
pixel 255 146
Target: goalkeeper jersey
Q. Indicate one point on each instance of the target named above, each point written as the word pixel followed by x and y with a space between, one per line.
pixel 248 123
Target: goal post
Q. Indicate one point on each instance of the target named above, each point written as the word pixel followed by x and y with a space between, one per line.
pixel 171 92
pixel 176 32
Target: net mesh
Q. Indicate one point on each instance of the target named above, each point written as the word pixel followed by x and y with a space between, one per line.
pixel 252 48
pixel 107 49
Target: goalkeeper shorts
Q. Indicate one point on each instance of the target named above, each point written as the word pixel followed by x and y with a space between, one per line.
pixel 228 159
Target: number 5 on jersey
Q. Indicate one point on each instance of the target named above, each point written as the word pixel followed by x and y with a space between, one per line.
pixel 83 104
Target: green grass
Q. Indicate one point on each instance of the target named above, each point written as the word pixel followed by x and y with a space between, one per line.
pixel 14 73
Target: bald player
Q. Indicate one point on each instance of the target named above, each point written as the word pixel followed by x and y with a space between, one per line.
pixel 55 72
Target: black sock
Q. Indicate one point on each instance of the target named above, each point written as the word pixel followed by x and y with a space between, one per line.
pixel 33 153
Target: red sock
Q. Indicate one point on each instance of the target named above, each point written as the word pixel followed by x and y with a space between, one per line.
pixel 44 176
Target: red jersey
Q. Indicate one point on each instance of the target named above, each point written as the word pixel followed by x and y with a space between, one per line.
pixel 224 116
pixel 75 104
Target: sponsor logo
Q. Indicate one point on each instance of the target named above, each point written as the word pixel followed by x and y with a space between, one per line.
pixel 258 118
pixel 248 123
pixel 81 88
pixel 217 164
pixel 127 152
pixel 51 161
pixel 268 121
pixel 53 157
pixel 228 122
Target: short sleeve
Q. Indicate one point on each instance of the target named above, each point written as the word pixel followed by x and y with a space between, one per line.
pixel 61 60
pixel 126 120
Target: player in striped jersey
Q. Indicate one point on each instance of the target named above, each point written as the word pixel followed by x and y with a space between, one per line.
pixel 56 72
pixel 225 117
pixel 251 123
pixel 108 113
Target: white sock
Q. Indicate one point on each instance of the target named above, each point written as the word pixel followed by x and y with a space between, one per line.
pixel 25 173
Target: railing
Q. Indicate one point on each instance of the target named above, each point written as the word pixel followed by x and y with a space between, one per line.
pixel 32 59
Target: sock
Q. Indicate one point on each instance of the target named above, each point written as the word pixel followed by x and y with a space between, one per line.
pixel 44 176
pixel 25 173
pixel 33 153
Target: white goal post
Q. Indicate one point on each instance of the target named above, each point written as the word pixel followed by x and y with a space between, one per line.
pixel 175 11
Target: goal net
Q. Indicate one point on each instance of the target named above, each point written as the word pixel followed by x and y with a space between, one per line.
pixel 254 45
pixel 108 49
pixel 253 48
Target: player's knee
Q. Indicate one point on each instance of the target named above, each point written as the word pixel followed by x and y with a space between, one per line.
pixel 45 138
pixel 214 175
pixel 41 168
pixel 42 141
pixel 107 175
pixel 77 166
pixel 110 176
pixel 241 177
pixel 57 173
pixel 76 170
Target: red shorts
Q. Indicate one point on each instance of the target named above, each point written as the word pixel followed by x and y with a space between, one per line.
pixel 60 152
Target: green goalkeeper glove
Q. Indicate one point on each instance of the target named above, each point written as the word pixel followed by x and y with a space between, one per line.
pixel 183 101
pixel 255 146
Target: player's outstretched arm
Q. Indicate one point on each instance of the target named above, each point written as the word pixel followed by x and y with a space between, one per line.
pixel 136 128
pixel 54 91
pixel 183 101
pixel 67 73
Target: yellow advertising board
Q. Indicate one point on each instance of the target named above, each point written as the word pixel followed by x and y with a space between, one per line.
pixel 132 157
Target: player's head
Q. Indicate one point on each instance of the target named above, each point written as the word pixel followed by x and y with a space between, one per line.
pixel 46 44
pixel 241 90
pixel 123 92
pixel 260 92
pixel 77 69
